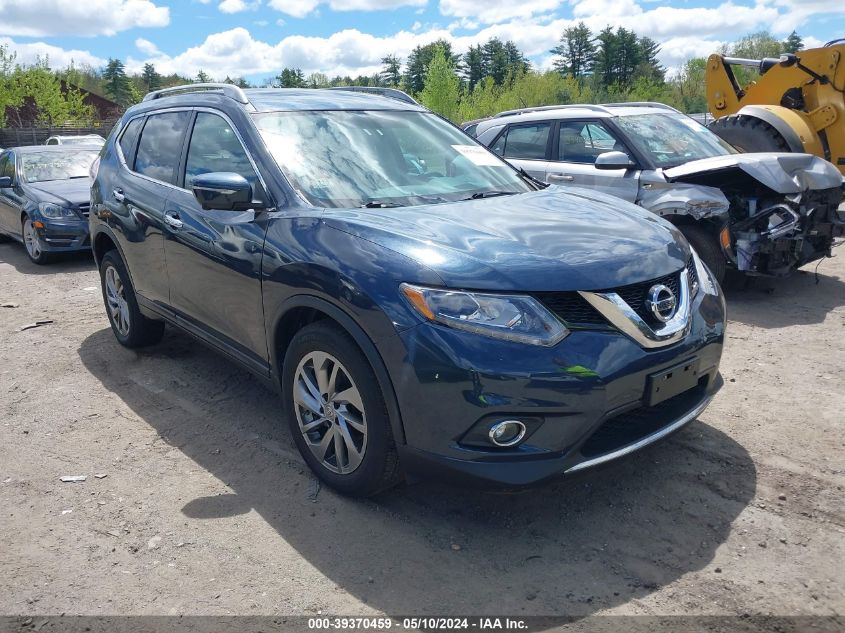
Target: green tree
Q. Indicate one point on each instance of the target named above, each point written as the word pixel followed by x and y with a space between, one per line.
pixel 203 77
pixel 473 66
pixel 757 46
pixel 604 62
pixel 150 78
pixel 793 43
pixel 391 70
pixel 649 67
pixel 10 95
pixel 576 52
pixel 419 60
pixel 116 83
pixel 442 87
pixel 291 78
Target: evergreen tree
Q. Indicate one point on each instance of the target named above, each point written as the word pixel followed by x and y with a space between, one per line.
pixel 117 85
pixel 604 65
pixel 649 67
pixel 203 77
pixel 474 70
pixel 391 73
pixel 576 52
pixel 150 78
pixel 793 43
pixel 291 78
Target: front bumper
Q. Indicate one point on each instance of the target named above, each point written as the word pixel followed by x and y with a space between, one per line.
pixel 583 399
pixel 62 236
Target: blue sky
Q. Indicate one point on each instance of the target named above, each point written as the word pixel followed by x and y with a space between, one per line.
pixel 256 38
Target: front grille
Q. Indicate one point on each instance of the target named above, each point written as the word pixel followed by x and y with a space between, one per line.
pixel 571 308
pixel 632 426
pixel 635 295
pixel 576 311
pixel 84 209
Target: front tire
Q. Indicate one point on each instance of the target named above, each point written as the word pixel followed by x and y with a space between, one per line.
pixel 131 328
pixel 32 242
pixel 336 412
pixel 749 134
pixel 706 244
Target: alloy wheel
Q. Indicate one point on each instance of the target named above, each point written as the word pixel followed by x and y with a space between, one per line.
pixel 116 299
pixel 31 239
pixel 330 412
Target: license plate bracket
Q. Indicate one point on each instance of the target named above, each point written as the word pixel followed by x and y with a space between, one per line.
pixel 672 382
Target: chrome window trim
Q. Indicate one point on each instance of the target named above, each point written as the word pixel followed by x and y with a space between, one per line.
pixel 622 316
pixel 645 441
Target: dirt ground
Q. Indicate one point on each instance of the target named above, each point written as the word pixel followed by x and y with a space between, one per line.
pixel 204 506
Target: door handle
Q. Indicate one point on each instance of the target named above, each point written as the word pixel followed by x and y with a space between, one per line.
pixel 172 220
pixel 562 177
pixel 118 195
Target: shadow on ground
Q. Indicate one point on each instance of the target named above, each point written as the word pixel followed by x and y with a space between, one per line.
pixel 14 253
pixel 805 296
pixel 572 547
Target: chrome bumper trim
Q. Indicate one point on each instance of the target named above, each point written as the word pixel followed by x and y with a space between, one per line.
pixel 648 439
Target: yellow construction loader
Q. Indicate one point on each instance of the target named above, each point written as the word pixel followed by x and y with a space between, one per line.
pixel 797 104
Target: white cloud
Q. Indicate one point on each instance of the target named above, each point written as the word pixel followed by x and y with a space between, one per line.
pixel 236 6
pixel 43 18
pixel 59 58
pixel 492 11
pixel 146 46
pixel 301 8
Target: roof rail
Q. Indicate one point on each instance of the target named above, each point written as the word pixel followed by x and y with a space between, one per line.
pixel 644 104
pixel 582 106
pixel 390 93
pixel 229 90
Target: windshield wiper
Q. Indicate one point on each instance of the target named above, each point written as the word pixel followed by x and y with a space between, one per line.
pixel 377 204
pixel 534 181
pixel 490 194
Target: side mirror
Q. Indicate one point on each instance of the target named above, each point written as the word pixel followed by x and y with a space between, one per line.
pixel 614 160
pixel 5 182
pixel 223 191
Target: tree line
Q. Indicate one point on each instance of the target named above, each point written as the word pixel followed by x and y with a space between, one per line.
pixel 587 67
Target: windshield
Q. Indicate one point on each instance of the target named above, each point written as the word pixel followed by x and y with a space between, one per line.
pixel 43 166
pixel 672 139
pixel 344 158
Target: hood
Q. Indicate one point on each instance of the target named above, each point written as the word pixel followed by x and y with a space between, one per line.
pixel 554 239
pixel 780 172
pixel 66 193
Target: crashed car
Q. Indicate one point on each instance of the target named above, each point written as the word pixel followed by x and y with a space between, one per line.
pixel 760 214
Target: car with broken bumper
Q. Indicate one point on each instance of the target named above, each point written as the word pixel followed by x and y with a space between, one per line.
pixel 759 214
pixel 423 307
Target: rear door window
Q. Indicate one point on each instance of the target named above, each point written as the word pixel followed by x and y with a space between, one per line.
pixel 160 147
pixel 526 141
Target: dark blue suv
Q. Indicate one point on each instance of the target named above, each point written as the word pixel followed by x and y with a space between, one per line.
pixel 422 306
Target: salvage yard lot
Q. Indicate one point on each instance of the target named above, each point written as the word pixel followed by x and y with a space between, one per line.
pixel 207 508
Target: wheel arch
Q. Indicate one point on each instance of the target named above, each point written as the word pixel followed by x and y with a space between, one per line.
pixel 791 125
pixel 301 310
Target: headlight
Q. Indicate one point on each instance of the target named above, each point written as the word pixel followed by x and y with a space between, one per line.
pixel 510 317
pixel 54 211
pixel 705 280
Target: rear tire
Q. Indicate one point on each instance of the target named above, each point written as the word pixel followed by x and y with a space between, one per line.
pixel 336 412
pixel 131 328
pixel 749 134
pixel 706 244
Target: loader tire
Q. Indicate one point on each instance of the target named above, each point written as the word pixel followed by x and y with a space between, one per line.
pixel 749 134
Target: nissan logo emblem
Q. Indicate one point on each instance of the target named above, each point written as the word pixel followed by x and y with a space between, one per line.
pixel 662 302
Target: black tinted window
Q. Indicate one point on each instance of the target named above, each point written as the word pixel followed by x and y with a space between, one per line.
pixel 160 146
pixel 214 147
pixel 128 138
pixel 525 141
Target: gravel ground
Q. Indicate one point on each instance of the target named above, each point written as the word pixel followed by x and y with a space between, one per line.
pixel 196 501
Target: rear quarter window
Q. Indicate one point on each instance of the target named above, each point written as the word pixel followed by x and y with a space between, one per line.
pixel 128 139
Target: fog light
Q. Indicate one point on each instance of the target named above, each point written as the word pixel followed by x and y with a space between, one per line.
pixel 507 433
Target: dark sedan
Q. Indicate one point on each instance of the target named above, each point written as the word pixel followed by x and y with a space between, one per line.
pixel 45 198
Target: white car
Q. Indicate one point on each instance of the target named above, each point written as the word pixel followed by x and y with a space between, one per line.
pixel 759 213
pixel 83 139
